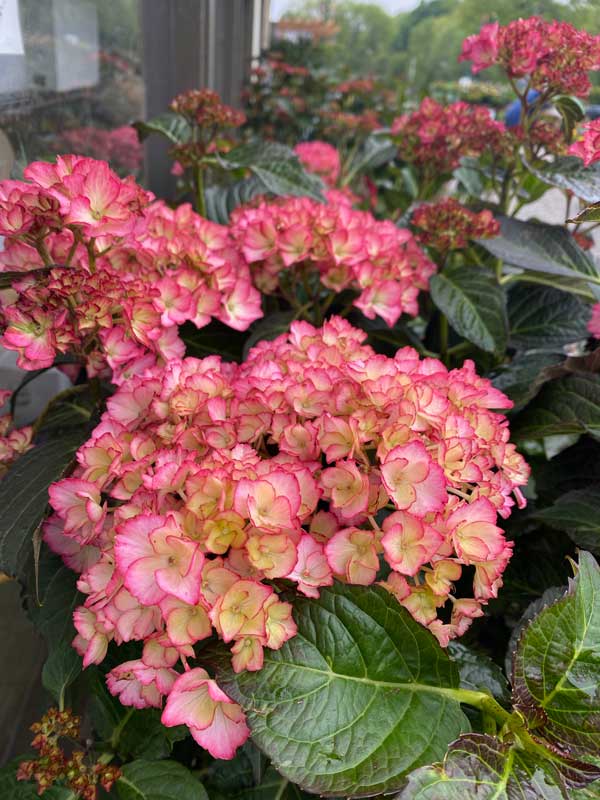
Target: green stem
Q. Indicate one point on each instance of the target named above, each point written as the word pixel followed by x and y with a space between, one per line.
pixel 485 703
pixel 281 790
pixel 348 176
pixel 118 730
pixel 42 249
pixel 443 337
pixel 499 267
pixel 199 187
pixel 72 250
pixel 325 307
pixel 504 192
pixel 459 349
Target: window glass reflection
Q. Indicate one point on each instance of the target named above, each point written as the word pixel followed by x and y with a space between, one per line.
pixel 70 81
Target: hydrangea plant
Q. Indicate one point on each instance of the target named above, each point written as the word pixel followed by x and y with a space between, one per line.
pixel 326 479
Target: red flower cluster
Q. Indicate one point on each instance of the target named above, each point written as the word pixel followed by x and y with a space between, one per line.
pixel 588 147
pixel 278 65
pixel 113 274
pixel 54 766
pixel 205 482
pixel 120 146
pixel 348 249
pixel 545 134
pixel 554 55
pixel 341 123
pixel 208 119
pixel 13 441
pixel 356 86
pixel 320 158
pixel 204 108
pixel 447 225
pixel 436 137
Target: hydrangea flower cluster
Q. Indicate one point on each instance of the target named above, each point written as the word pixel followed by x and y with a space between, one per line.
pixel 347 123
pixel 206 483
pixel 448 225
pixel 362 86
pixel 295 238
pixel 279 65
pixel 13 441
pixel 208 117
pixel 107 274
pixel 555 56
pixel 204 108
pixel 320 158
pixel 545 134
pixel 436 136
pixel 588 147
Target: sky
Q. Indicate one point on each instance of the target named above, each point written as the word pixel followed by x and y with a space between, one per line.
pixel 278 7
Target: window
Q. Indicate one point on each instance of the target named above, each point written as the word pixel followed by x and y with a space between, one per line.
pixel 70 81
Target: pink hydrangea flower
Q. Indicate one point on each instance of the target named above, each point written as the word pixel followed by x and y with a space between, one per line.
pixel 315 459
pixel 117 273
pixel 588 147
pixel 554 55
pixel 215 721
pixel 321 158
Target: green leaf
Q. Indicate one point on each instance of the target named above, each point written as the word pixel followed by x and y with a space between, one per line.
pixel 158 780
pixel 213 339
pixel 591 792
pixel 470 176
pixel 474 304
pixel 478 671
pixel 24 497
pixel 535 247
pixel 235 780
pixel 539 563
pixel 52 611
pixel 222 200
pixel 105 711
pixel 359 697
pixel 532 188
pixel 482 767
pixel 522 379
pixel 272 787
pixel 571 110
pixel 278 168
pixel 578 514
pixel 144 736
pixel 566 405
pixel 238 776
pixel 589 214
pixel 545 319
pixel 549 596
pixel 409 182
pixel 568 172
pixel 134 733
pixel 172 126
pixel 62 667
pixel 556 671
pixel 268 328
pixel 376 151
pixel 574 468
